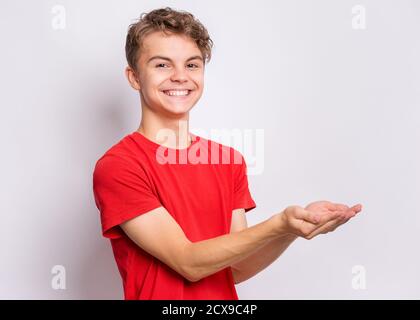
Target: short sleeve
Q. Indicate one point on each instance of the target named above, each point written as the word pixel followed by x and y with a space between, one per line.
pixel 241 195
pixel 122 191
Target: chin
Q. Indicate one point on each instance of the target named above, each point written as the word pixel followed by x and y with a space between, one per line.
pixel 177 111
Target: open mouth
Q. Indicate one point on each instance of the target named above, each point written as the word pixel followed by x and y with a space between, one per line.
pixel 177 93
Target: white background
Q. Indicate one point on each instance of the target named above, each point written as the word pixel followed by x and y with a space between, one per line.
pixel 340 109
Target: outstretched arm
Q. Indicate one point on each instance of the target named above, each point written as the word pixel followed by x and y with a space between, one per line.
pixel 196 260
pixel 161 236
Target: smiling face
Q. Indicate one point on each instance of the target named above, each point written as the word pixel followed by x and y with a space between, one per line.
pixel 170 73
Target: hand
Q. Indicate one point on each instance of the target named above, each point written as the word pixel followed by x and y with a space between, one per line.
pixel 316 218
pixel 334 215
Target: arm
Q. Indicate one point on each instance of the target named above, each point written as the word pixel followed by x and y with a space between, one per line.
pixel 197 260
pixel 159 234
pixel 260 259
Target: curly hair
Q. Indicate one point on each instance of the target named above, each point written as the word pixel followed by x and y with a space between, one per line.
pixel 169 21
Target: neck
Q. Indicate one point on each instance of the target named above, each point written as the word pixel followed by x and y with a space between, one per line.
pixel 171 132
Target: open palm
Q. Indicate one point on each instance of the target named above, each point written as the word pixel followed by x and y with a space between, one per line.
pixel 331 214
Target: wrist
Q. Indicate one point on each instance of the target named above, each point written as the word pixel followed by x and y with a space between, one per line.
pixel 281 225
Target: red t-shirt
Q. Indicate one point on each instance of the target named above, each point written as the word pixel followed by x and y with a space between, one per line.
pixel 131 179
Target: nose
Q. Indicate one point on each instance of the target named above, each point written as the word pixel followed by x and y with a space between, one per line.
pixel 179 75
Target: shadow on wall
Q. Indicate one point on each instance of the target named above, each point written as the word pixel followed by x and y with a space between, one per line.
pixel 108 111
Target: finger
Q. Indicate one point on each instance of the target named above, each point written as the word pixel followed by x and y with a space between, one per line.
pixel 306 228
pixel 340 206
pixel 331 206
pixel 329 216
pixel 357 208
pixel 351 211
pixel 308 216
pixel 329 226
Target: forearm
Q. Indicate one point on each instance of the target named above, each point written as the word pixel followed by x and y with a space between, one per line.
pixel 212 255
pixel 262 258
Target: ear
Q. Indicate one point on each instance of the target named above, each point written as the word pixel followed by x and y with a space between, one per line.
pixel 132 78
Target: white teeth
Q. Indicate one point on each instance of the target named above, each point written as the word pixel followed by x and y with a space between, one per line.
pixel 176 92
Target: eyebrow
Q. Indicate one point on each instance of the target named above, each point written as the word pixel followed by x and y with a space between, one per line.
pixel 169 59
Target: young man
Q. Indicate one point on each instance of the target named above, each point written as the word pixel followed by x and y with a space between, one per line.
pixel 178 228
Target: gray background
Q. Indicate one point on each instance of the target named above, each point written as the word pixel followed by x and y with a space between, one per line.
pixel 339 108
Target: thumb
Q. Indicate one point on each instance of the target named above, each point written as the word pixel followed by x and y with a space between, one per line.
pixel 307 215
